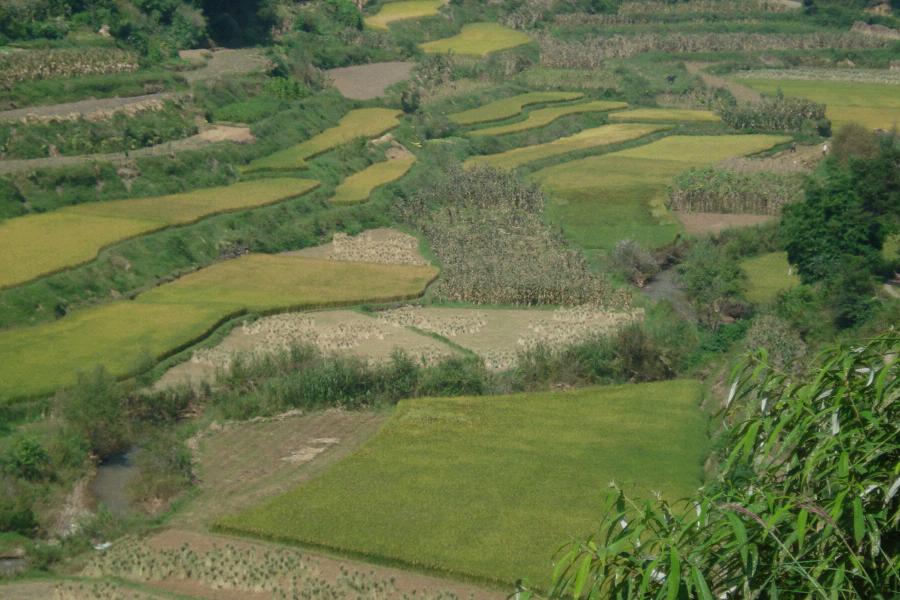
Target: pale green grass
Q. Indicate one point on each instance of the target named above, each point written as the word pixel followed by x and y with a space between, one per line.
pixel 36 245
pixel 362 122
pixel 403 9
pixel 589 138
pixel 876 106
pixel 359 186
pixel 510 107
pixel 490 487
pixel 665 115
pixel 118 335
pixel 767 275
pixel 600 200
pixel 478 39
pixel 545 116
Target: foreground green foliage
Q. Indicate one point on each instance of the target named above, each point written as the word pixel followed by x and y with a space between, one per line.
pixel 805 503
pixel 446 466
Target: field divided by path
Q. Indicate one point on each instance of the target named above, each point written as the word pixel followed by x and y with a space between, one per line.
pixel 363 122
pixel 510 107
pixel 583 140
pixel 544 116
pixel 874 105
pixel 665 115
pixel 478 39
pixel 400 10
pixel 36 245
pixel 490 487
pixel 600 200
pixel 121 334
pixel 359 186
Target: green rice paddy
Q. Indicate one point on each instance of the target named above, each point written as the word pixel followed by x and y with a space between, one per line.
pixel 600 200
pixel 665 115
pixel 510 107
pixel 403 9
pixel 478 39
pixel 545 116
pixel 363 122
pixel 874 105
pixel 36 245
pixel 121 334
pixel 490 487
pixel 767 275
pixel 583 140
pixel 357 187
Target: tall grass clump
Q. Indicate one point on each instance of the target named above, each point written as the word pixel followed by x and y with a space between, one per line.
pixel 725 191
pixel 804 504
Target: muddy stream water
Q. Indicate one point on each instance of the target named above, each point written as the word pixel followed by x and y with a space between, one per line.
pixel 110 486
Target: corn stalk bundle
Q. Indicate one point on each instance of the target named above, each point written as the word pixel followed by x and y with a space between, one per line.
pixel 589 53
pixel 773 114
pixel 633 13
pixel 65 62
pixel 487 231
pixel 725 191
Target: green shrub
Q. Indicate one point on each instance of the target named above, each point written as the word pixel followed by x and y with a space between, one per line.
pixel 27 459
pixel 94 407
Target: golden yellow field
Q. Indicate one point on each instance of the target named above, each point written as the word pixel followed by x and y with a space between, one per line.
pixel 119 335
pixel 357 187
pixel 403 9
pixel 510 107
pixel 36 245
pixel 545 116
pixel 665 115
pixel 478 39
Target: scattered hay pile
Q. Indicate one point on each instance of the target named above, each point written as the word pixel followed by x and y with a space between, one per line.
pixel 382 246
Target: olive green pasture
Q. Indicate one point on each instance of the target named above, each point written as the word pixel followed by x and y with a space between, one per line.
pixel 589 138
pixel 601 200
pixel 359 186
pixel 665 115
pixel 478 39
pixel 491 487
pixel 35 245
pixel 362 122
pixel 123 334
pixel 767 276
pixel 401 10
pixel 506 108
pixel 874 105
pixel 544 116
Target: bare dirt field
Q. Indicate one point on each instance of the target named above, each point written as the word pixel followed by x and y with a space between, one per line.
pixel 364 82
pixel 802 160
pixel 699 223
pixel 225 63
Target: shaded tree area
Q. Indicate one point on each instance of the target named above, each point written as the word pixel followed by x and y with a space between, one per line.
pixel 238 22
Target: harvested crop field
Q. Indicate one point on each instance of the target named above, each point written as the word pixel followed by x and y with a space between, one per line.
pixel 478 39
pixel 362 122
pixel 499 482
pixel 35 245
pixel 122 334
pixel 700 223
pixel 510 107
pixel 665 115
pixel 768 275
pixel 583 140
pixel 358 187
pixel 226 62
pixel 544 116
pixel 499 335
pixel 383 246
pixel 365 82
pixel 399 10
pixel 600 200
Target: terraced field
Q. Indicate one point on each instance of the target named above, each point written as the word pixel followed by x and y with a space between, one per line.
pixel 545 116
pixel 768 275
pixel 602 199
pixel 583 140
pixel 874 105
pixel 357 187
pixel 119 335
pixel 478 39
pixel 36 245
pixel 363 122
pixel 665 115
pixel 400 10
pixel 490 487
pixel 506 108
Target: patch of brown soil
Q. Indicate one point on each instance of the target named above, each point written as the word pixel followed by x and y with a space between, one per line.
pixel 382 246
pixel 364 82
pixel 227 133
pixel 804 159
pixel 91 110
pixel 226 62
pixel 699 223
pixel 741 92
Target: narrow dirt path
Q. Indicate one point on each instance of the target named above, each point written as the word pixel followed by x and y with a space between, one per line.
pixel 220 133
pixel 91 109
pixel 741 92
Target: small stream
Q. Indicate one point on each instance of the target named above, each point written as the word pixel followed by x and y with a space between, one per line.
pixel 110 486
pixel 664 286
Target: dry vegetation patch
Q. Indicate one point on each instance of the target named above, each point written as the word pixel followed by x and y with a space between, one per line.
pixel 63 62
pixel 383 245
pixel 701 223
